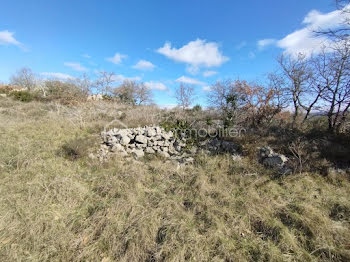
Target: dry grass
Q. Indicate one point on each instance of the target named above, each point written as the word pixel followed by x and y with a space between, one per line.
pixel 53 208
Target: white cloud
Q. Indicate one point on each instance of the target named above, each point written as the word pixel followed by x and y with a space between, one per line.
pixel 116 59
pixel 266 42
pixel 144 65
pixel 195 54
pixel 193 70
pixel 188 80
pixel 7 38
pixel 121 78
pixel 156 86
pixel 86 56
pixel 57 75
pixel 206 88
pixel 209 73
pixel 76 66
pixel 305 40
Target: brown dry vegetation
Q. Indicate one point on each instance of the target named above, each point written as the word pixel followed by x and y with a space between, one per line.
pixel 59 208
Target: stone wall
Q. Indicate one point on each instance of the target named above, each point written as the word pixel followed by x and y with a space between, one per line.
pixel 141 140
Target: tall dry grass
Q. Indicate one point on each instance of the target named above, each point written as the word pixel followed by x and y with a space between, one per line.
pixel 54 208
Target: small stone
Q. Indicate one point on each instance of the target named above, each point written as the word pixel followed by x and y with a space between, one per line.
pixel 189 160
pixel 137 153
pixel 141 139
pixel 118 148
pixel 164 154
pixel 125 140
pixel 157 137
pixel 150 132
pixel 149 150
pixel 236 158
pixel 164 149
pixel 275 161
pixel 193 150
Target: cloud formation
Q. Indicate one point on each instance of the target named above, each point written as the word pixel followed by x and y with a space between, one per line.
pixel 144 65
pixel 265 42
pixel 7 38
pixel 116 59
pixel 209 73
pixel 206 88
pixel 57 75
pixel 156 86
pixel 121 78
pixel 305 40
pixel 76 66
pixel 195 54
pixel 188 80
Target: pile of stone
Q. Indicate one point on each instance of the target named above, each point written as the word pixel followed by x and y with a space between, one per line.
pixel 271 159
pixel 274 160
pixel 142 140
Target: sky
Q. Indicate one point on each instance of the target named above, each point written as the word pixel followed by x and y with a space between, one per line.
pixel 160 42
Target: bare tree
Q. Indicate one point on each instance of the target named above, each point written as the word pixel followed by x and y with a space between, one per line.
pixel 298 81
pixel 24 78
pixel 248 103
pixel 224 98
pixel 133 93
pixel 83 83
pixel 342 31
pixel 333 76
pixel 104 82
pixel 184 95
pixel 277 83
pixel 143 95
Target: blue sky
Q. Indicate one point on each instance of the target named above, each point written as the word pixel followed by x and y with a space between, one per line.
pixel 161 43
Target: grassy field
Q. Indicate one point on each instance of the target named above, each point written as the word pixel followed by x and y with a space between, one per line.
pixel 55 208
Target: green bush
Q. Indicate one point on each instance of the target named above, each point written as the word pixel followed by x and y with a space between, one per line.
pixel 23 96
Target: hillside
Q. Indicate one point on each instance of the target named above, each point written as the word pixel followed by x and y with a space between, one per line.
pixel 55 207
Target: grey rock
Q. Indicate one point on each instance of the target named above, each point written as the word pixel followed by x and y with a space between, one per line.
pixel 193 150
pixel 141 139
pixel 164 154
pixel 228 146
pixel 276 160
pixel 167 136
pixel 138 153
pixel 265 152
pixel 149 150
pixel 150 132
pixel 164 149
pixel 118 148
pixel 125 140
pixel 158 130
pixel 236 158
pixel 157 138
pixel 189 160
